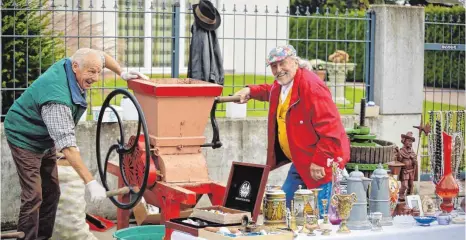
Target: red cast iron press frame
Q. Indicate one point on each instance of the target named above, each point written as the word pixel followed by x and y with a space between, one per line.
pixel 164 164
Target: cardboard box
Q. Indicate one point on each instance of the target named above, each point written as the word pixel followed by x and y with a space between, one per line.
pixel 244 193
pixel 233 216
pixel 215 236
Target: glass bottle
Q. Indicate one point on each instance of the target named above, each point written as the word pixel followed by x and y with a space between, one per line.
pixel 447 188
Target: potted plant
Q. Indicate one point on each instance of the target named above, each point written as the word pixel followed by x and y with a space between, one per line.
pixel 320 71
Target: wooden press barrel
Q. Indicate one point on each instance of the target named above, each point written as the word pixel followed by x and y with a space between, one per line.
pixel 367 158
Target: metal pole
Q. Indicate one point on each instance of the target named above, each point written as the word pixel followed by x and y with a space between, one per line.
pixel 176 41
pixel 371 57
pixel 367 63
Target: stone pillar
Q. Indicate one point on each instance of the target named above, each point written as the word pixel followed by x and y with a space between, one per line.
pixel 337 78
pixel 399 59
pixel 399 69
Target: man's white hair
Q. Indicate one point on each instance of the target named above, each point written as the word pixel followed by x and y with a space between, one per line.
pixel 80 55
pixel 303 63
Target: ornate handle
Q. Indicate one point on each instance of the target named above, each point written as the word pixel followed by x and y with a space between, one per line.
pixel 378 183
pixel 334 200
pixel 354 197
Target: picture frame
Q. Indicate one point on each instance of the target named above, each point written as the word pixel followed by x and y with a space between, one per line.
pixel 415 201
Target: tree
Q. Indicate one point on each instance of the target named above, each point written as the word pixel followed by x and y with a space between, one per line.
pixel 33 38
pixel 28 46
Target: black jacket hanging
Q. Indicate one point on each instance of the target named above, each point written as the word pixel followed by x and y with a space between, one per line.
pixel 205 57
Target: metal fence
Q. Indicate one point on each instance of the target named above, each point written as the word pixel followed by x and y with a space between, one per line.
pixel 154 37
pixel 444 83
pixel 444 74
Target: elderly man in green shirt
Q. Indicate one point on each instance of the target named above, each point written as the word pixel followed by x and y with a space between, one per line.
pixel 41 122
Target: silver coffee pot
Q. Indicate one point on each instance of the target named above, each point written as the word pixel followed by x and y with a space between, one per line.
pixel 358 184
pixel 379 197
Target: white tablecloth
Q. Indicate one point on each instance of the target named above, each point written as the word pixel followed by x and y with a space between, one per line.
pixel 176 235
pixel 433 232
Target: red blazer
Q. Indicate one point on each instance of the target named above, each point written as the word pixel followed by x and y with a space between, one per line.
pixel 313 125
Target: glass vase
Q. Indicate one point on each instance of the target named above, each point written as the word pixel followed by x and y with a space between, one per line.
pixel 333 215
pixel 447 188
pixel 337 177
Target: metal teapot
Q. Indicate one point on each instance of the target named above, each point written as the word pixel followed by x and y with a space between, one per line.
pixel 359 185
pixel 379 195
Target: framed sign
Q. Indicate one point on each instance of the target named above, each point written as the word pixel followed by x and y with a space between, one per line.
pixel 414 201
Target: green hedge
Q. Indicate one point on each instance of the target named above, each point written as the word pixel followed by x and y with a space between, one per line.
pixel 446 67
pixel 331 34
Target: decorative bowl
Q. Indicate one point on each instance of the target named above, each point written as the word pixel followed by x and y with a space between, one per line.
pixel 425 220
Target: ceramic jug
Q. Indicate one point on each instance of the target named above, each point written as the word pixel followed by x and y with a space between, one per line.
pixel 358 184
pixel 275 208
pixel 379 197
pixel 302 203
pixel 444 219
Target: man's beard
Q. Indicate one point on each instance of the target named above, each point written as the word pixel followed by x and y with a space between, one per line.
pixel 283 76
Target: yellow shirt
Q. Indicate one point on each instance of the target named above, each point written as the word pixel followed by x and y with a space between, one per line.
pixel 281 121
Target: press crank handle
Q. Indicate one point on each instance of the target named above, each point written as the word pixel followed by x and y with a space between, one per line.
pixel 228 99
pixel 122 191
pixel 117 192
pixel 216 143
pixel 12 235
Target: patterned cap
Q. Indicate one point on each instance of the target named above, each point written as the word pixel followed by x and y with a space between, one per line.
pixel 279 53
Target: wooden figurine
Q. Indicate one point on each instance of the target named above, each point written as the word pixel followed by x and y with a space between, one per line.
pixel 408 157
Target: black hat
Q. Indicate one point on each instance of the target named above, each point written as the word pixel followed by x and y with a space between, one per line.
pixel 206 15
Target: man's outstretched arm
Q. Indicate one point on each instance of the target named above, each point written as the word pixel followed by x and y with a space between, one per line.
pixel 59 121
pixel 110 63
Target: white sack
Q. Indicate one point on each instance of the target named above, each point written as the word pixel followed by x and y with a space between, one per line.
pixel 70 221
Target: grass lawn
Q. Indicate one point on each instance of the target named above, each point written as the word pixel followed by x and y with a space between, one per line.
pixel 234 83
pixel 259 109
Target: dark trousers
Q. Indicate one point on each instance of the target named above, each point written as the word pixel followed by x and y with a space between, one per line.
pixel 40 191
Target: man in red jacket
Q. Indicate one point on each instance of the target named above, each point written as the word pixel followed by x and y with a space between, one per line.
pixel 304 126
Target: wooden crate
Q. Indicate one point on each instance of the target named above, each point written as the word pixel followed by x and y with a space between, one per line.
pixel 233 216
